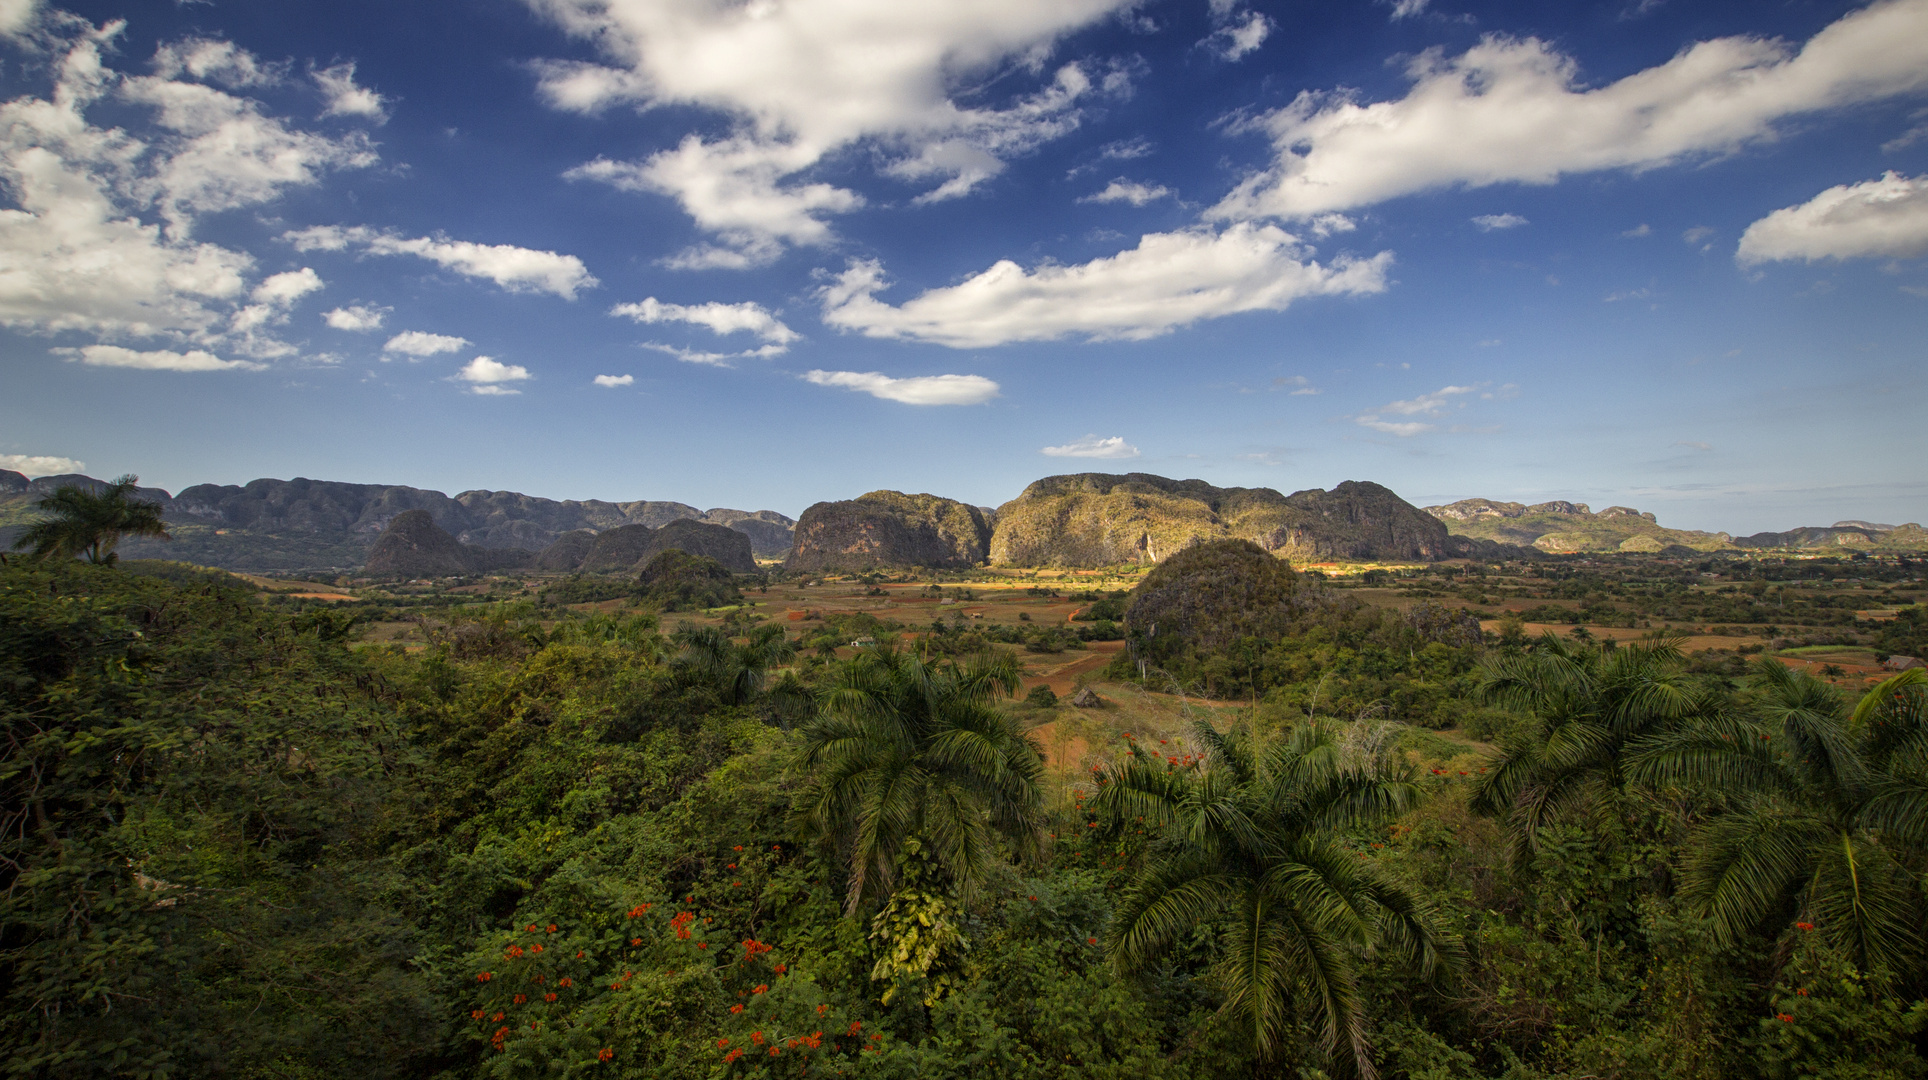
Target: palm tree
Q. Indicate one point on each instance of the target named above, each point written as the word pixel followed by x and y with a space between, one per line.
pixel 1827 815
pixel 908 749
pixel 1586 704
pixel 738 673
pixel 1249 842
pixel 88 524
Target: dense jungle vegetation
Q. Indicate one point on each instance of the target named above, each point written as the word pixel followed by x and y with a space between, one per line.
pixel 238 842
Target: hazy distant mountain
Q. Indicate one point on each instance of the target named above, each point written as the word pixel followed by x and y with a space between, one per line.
pixel 314 524
pixel 1557 527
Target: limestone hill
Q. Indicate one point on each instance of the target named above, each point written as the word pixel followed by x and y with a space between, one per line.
pixel 889 529
pixel 1099 519
pixel 627 548
pixel 414 546
pixel 1558 527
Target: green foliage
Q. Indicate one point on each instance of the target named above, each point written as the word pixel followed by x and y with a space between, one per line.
pixel 677 581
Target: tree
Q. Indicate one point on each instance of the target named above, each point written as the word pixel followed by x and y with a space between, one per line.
pixel 1249 842
pixel 1827 816
pixel 737 673
pixel 907 748
pixel 1585 705
pixel 89 524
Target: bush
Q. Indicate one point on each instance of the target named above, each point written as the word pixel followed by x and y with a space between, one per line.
pixel 1042 697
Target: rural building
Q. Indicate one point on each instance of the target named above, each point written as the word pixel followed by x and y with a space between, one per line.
pixel 1902 663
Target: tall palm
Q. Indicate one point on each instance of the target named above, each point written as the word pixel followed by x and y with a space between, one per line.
pixel 906 748
pixel 89 524
pixel 1250 842
pixel 737 672
pixel 1585 704
pixel 1827 816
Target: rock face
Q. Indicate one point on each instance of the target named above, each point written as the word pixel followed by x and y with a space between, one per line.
pixel 414 546
pixel 628 547
pixel 889 529
pixel 1099 519
pixel 1560 527
pixel 1910 536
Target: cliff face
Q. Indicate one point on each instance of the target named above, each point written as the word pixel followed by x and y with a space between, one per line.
pixel 1098 519
pixel 889 529
pixel 414 546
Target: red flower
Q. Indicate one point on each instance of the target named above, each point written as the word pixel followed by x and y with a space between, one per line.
pixel 1803 991
pixel 739 847
pixel 855 1027
pixel 552 928
pixel 535 948
pixel 497 1017
pixel 736 1008
pixel 1804 926
pixel 821 1009
pixel 774 1051
pixel 1091 941
pixel 733 1055
pixel 721 1043
pixel 781 969
pixel 484 977
pixel 566 982
pixel 756 1037
pixel 550 996
pixel 760 988
pixel 519 999
pixel 605 1054
pixel 702 944
pixel 1034 899
pixel 635 941
pixel 477 1014
pixel 1786 1018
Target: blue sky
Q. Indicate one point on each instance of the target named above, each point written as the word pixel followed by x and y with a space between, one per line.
pixel 1648 252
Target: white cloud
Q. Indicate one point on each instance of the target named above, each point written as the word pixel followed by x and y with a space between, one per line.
pixel 1122 190
pixel 917 390
pixel 76 254
pixel 1234 42
pixel 1696 234
pixel 485 376
pixel 1883 218
pixel 1434 404
pixel 1490 222
pixel 804 79
pixel 38 464
pixel 16 15
pixel 286 288
pixel 347 99
pixel 1642 229
pixel 155 360
pixel 719 318
pixel 423 343
pixel 1406 9
pixel 1514 111
pixel 1169 280
pixel 613 381
pixel 516 269
pixel 359 318
pixel 1091 446
pixel 715 359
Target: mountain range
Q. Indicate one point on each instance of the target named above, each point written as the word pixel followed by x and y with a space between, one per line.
pixel 1074 520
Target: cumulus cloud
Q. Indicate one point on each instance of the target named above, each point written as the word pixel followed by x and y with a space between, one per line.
pixel 516 269
pixel 116 356
pixel 1091 446
pixel 613 381
pixel 486 376
pixel 286 288
pixel 16 15
pixel 1490 222
pixel 345 98
pixel 1434 404
pixel 719 318
pixel 1514 110
pixel 1136 194
pixel 37 464
pixel 1406 9
pixel 422 343
pixel 1169 280
pixel 1882 218
pixel 916 390
pixel 359 318
pixel 76 253
pixel 1233 42
pixel 801 80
